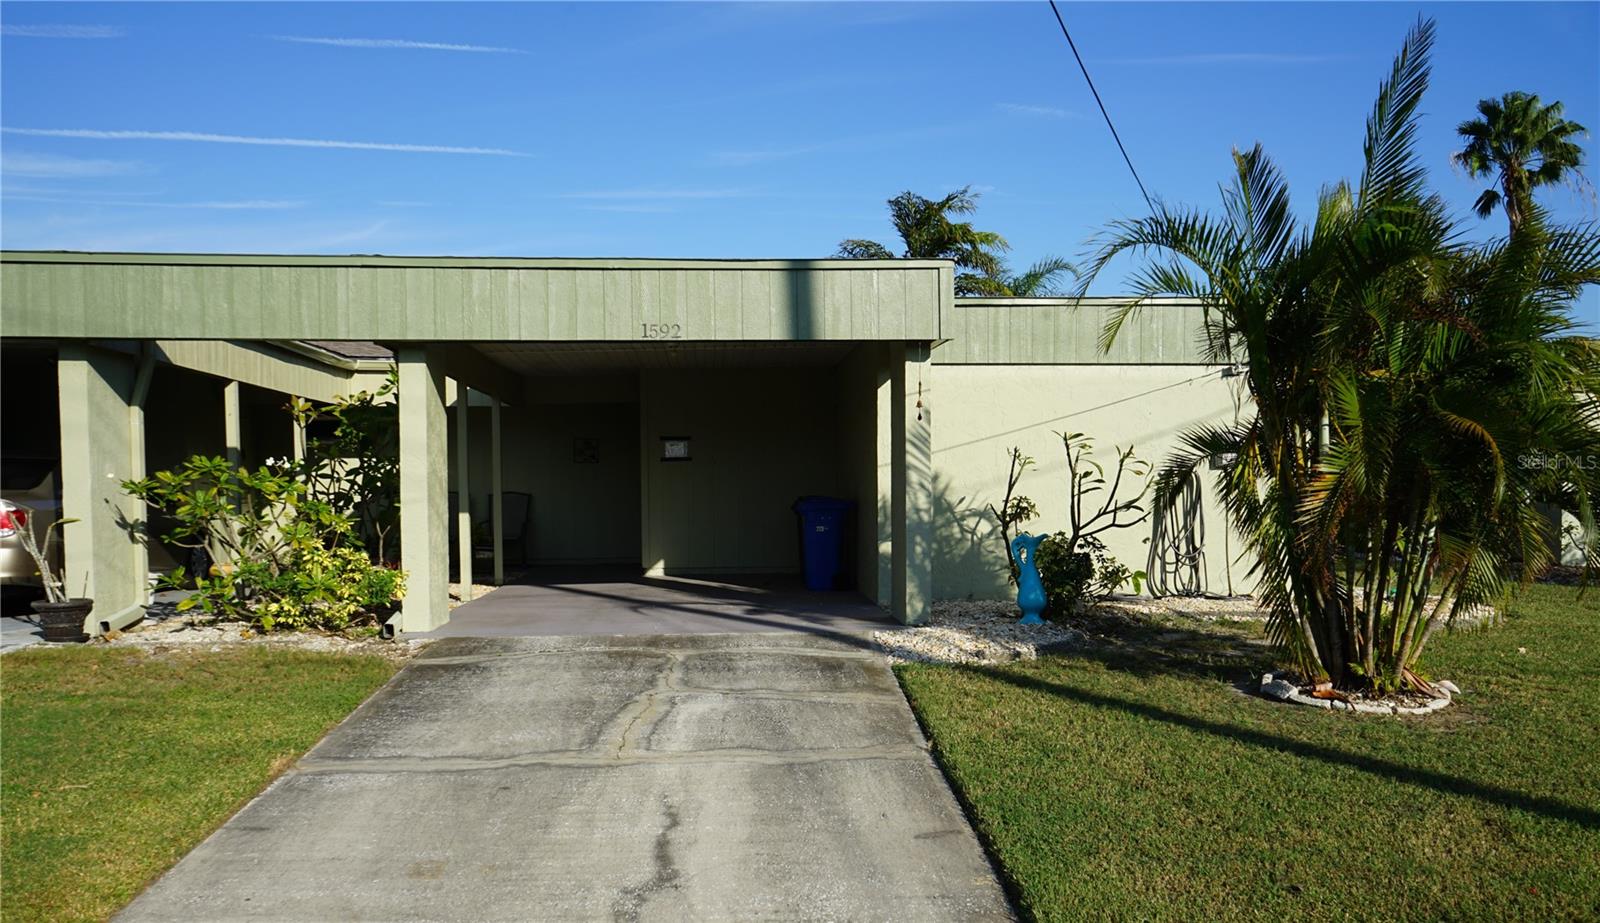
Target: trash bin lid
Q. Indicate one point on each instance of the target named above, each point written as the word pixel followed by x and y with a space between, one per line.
pixel 817 504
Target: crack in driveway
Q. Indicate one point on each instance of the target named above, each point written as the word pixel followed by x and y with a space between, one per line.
pixel 631 901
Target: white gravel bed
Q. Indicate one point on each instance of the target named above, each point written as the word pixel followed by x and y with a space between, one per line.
pixel 181 632
pixel 973 631
pixel 1200 608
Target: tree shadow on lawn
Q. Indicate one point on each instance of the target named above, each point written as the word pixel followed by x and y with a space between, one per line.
pixel 1140 662
pixel 1146 648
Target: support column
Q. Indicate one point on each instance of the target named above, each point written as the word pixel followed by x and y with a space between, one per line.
pixel 496 509
pixel 911 473
pixel 230 423
pixel 883 521
pixel 299 436
pixel 102 558
pixel 423 489
pixel 463 491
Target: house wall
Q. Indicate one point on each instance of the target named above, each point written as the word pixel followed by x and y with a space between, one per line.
pixel 760 438
pixel 582 513
pixel 983 410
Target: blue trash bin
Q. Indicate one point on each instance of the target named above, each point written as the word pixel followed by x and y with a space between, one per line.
pixel 822 527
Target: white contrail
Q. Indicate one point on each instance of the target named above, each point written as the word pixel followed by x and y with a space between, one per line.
pixel 393 43
pixel 248 139
pixel 248 204
pixel 58 31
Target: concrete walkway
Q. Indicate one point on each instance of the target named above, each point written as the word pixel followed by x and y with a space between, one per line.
pixel 683 777
pixel 16 634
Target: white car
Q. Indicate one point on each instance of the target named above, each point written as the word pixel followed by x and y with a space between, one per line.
pixel 27 501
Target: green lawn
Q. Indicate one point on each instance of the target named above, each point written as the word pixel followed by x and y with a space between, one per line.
pixel 113 764
pixel 1122 784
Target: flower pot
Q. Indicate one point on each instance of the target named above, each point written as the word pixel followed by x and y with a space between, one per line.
pixel 63 621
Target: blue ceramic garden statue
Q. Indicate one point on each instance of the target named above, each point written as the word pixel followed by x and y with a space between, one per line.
pixel 1030 589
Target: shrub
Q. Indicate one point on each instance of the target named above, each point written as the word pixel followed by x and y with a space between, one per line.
pixel 1074 578
pixel 290 561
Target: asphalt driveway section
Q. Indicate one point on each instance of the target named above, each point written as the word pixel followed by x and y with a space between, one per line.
pixel 612 601
pixel 678 777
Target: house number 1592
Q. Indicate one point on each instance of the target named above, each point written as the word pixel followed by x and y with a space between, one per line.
pixel 660 331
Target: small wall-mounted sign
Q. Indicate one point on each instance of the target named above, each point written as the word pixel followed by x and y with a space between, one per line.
pixel 674 448
pixel 586 451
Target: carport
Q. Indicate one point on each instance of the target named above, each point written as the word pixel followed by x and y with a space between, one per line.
pixel 768 377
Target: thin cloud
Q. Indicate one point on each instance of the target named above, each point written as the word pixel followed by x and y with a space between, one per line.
pixel 209 138
pixel 1232 57
pixel 742 158
pixel 60 31
pixel 393 43
pixel 244 205
pixel 1047 112
pixel 658 194
pixel 51 166
pixel 748 157
pixel 638 208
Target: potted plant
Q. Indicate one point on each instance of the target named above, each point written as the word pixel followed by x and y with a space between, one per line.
pixel 61 617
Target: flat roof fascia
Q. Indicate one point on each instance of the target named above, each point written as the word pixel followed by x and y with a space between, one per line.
pixel 427 299
pixel 449 262
pixel 1066 331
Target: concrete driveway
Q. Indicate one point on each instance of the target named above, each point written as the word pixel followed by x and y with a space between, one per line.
pixel 684 777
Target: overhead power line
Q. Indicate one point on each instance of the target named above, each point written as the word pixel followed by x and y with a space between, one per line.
pixel 1090 80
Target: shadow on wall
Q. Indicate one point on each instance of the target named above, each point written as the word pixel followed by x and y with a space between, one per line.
pixel 967 557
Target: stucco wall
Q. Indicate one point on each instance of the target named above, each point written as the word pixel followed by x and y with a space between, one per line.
pixel 985 409
pixel 759 438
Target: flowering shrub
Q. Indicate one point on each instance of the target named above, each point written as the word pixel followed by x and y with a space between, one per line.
pixel 290 561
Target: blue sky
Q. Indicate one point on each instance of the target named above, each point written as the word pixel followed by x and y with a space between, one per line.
pixel 706 130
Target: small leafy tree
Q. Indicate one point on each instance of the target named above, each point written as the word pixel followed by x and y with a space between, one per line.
pixel 1075 564
pixel 301 543
pixel 354 466
pixel 1015 509
pixel 287 559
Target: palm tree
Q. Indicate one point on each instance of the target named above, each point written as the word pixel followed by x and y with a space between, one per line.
pixel 1038 281
pixel 928 233
pixel 1394 377
pixel 1523 145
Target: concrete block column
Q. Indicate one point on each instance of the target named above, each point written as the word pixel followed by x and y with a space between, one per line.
pixel 911 480
pixel 424 472
pixel 99 450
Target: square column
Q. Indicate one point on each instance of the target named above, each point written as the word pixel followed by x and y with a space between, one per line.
pixel 423 491
pixel 911 481
pixel 463 491
pixel 103 558
pixel 496 512
pixel 231 437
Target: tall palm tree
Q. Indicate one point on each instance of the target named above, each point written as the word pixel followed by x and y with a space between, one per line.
pixel 928 232
pixel 1523 144
pixel 1394 377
